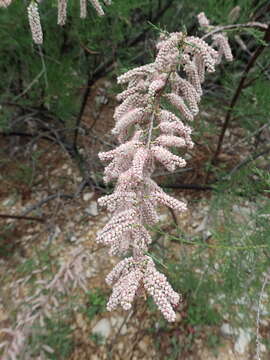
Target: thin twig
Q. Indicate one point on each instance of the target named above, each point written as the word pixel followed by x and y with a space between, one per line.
pixel 187 186
pixel 167 173
pixel 245 48
pixel 44 201
pixel 247 160
pixel 21 134
pixel 237 94
pixel 253 24
pixel 114 340
pixel 32 83
pixel 43 66
pixel 232 146
pixel 258 343
pixel 20 217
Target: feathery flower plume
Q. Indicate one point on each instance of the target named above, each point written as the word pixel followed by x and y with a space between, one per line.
pixel 62 12
pixel 83 9
pixel 97 7
pixel 34 22
pixel 136 196
pixel 34 18
pixel 220 39
pixel 5 3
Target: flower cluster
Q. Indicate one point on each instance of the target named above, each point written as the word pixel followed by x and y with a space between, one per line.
pixel 219 39
pixel 146 132
pixel 34 18
pixel 5 3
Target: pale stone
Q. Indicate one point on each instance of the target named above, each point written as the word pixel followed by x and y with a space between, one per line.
pixel 226 329
pixel 242 341
pixel 143 346
pixel 163 217
pixel 87 196
pixel 9 201
pixel 103 327
pixel 73 239
pixel 263 348
pixel 92 209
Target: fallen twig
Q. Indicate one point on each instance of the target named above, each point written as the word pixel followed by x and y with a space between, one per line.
pixel 20 217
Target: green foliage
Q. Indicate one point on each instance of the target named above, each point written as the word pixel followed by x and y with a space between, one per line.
pixel 96 303
pixel 6 246
pixel 97 338
pixel 58 336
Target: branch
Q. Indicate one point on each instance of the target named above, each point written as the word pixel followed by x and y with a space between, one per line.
pixel 237 93
pixel 252 24
pixel 187 186
pixel 44 201
pixel 18 133
pixel 249 159
pixel 20 217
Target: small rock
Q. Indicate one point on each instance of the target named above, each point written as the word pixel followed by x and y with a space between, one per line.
pixel 226 329
pixel 101 99
pixel 242 341
pixel 163 217
pixel 120 346
pixel 207 235
pixel 203 225
pixel 94 357
pixel 87 196
pixel 9 201
pixel 143 346
pixel 263 348
pixel 264 322
pixel 178 317
pixel 92 209
pixel 73 239
pixel 103 327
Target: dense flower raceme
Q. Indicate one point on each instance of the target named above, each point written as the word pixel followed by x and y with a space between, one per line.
pixel 34 18
pixel 5 3
pixel 155 130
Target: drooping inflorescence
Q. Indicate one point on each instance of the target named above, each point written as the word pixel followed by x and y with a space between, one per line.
pixel 34 17
pixel 146 132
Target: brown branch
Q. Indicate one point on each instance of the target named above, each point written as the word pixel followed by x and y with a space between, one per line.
pixel 238 92
pixel 21 134
pixel 252 24
pixel 187 186
pixel 249 159
pixel 44 201
pixel 20 217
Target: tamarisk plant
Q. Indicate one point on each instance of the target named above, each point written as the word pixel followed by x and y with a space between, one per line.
pixel 34 18
pixel 146 131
